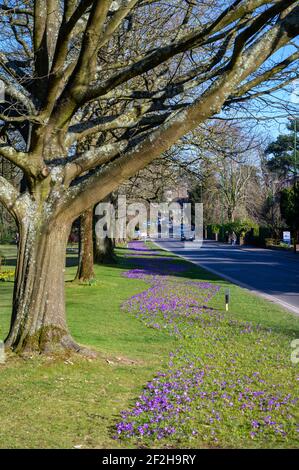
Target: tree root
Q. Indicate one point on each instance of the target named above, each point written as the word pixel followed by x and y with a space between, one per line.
pixel 49 341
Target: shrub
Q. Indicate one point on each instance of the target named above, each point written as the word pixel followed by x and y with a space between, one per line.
pixel 6 276
pixel 271 242
pixel 215 228
pixel 2 259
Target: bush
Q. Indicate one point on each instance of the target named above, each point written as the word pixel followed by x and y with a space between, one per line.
pixel 264 233
pixel 245 228
pixel 6 276
pixel 254 234
pixel 285 245
pixel 215 228
pixel 2 259
pixel 7 233
pixel 271 242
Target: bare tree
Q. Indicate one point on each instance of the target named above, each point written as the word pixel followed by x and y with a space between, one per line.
pixel 232 159
pixel 223 164
pixel 234 180
pixel 150 185
pixel 152 71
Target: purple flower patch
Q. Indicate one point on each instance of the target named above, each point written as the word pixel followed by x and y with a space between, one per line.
pixel 204 386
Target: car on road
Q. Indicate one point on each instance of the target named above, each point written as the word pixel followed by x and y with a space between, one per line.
pixel 188 235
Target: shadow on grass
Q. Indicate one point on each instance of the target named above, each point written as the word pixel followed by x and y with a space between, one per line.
pixel 155 261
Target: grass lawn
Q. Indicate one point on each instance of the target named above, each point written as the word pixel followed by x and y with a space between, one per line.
pixel 74 402
pixel 71 401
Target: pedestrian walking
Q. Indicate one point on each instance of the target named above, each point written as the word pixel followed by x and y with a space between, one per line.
pixel 234 238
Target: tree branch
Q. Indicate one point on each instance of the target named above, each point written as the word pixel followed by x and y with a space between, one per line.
pixel 15 10
pixel 17 158
pixel 162 54
pixel 124 121
pixel 9 196
pixel 40 38
pixel 210 103
pixel 91 159
pixel 266 75
pixel 116 20
pixel 78 92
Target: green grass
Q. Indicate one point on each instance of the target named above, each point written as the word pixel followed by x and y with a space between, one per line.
pixel 245 305
pixel 54 403
pixel 63 403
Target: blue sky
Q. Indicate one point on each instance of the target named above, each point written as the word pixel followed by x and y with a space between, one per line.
pixel 277 125
pixel 270 120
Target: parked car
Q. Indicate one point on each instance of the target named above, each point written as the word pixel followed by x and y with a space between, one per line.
pixel 188 235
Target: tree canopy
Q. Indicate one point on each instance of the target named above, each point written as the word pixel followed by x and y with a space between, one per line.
pixel 285 152
pixel 289 204
pixel 128 77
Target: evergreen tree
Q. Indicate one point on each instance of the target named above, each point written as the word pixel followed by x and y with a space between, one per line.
pixel 289 206
pixel 284 160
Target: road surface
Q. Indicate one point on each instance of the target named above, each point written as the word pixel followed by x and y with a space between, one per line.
pixel 273 274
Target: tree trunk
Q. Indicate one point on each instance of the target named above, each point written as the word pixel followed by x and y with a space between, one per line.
pixel 104 251
pixel 230 215
pixel 85 270
pixel 38 319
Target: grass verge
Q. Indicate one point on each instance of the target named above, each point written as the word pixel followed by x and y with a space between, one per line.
pixel 68 402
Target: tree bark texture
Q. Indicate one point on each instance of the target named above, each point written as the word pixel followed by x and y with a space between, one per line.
pixel 85 270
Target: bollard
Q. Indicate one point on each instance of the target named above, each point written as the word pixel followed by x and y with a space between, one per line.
pixel 227 298
pixel 2 353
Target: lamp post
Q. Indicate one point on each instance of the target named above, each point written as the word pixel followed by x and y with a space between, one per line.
pixel 295 177
pixel 222 217
pixel 295 148
pixel 294 118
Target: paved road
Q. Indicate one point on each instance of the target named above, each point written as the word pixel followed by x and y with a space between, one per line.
pixel 268 272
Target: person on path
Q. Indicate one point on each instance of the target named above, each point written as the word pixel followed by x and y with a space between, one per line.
pixel 234 238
